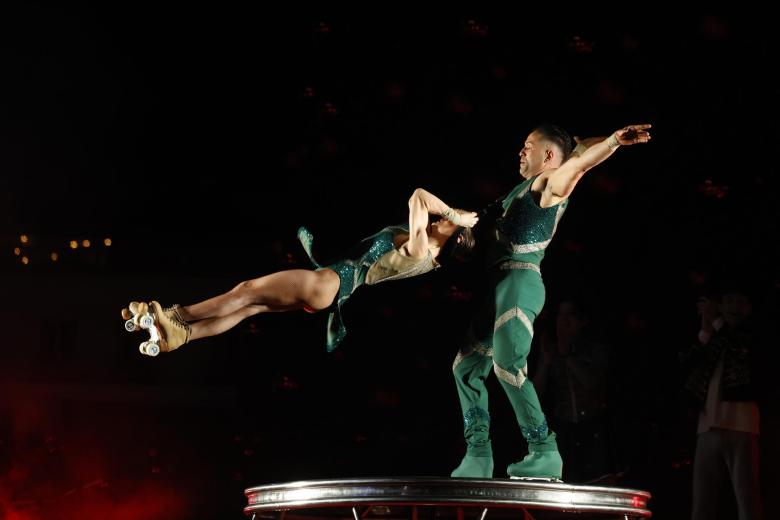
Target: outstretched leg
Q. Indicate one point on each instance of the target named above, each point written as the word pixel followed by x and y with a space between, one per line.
pixel 285 290
pixel 215 326
pixel 277 292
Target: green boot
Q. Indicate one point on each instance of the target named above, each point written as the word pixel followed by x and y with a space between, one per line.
pixel 538 465
pixel 474 467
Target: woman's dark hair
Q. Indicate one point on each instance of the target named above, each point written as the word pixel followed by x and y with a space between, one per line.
pixel 455 249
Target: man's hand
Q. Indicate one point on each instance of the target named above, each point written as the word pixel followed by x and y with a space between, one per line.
pixel 632 134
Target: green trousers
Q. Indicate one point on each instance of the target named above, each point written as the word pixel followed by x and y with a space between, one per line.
pixel 500 339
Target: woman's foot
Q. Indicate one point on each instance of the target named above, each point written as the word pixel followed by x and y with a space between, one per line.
pixel 175 332
pixel 167 330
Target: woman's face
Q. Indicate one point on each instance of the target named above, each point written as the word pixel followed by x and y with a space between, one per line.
pixel 444 227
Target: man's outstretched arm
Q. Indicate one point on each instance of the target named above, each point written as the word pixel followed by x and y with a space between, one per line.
pixel 563 180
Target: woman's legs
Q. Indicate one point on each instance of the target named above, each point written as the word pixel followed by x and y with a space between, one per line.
pixel 277 292
pixel 214 326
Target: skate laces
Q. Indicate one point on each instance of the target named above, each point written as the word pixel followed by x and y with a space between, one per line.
pixel 173 312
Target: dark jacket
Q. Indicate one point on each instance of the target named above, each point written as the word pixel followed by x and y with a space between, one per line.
pixel 739 348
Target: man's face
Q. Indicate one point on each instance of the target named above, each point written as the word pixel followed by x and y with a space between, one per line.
pixel 532 155
pixel 735 307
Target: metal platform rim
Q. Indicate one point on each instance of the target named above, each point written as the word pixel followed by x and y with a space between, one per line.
pixel 318 495
pixel 572 508
pixel 563 486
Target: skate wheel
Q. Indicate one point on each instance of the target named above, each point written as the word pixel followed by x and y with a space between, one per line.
pixel 147 322
pixel 130 326
pixel 126 314
pixel 152 348
pixel 149 348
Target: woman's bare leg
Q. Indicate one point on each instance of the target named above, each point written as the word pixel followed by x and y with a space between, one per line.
pixel 214 326
pixel 285 290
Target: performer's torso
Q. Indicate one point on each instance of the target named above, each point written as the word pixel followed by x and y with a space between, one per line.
pixel 378 258
pixel 525 229
pixel 393 264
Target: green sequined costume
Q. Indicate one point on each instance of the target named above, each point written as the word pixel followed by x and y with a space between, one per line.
pixel 500 335
pixel 374 259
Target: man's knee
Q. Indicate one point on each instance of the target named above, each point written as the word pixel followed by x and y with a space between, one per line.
pixel 508 373
pixel 470 357
pixel 510 358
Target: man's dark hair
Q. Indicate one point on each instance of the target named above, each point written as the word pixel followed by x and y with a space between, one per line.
pixel 558 136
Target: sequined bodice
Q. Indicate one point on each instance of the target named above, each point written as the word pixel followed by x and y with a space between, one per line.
pixel 526 229
pixel 394 265
pixel 375 259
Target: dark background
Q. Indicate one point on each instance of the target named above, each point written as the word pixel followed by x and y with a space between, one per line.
pixel 198 139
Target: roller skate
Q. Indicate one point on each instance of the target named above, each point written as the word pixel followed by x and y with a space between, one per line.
pixel 167 331
pixel 545 466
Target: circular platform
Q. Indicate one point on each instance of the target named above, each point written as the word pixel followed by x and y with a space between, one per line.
pixel 392 498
